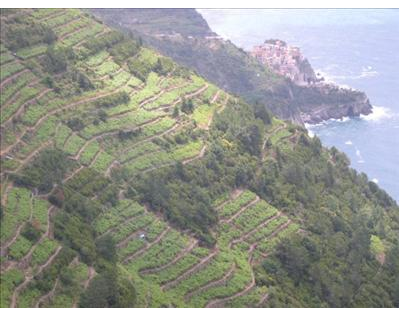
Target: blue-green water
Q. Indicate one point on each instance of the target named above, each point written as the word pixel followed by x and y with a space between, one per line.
pixel 358 48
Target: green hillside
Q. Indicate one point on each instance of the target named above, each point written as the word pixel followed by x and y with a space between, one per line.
pixel 128 180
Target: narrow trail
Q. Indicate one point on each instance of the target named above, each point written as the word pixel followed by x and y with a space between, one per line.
pixel 27 159
pixel 20 287
pixel 5 247
pixel 235 194
pixel 149 245
pixel 91 274
pixel 73 20
pixel 196 267
pixel 274 233
pixel 224 104
pixel 195 93
pixel 199 156
pixel 49 261
pixel 72 174
pixel 25 261
pixel 131 236
pixel 220 302
pixel 246 235
pixel 62 37
pixel 53 112
pixel 170 263
pixel 147 139
pixel 279 229
pixel 114 164
pixel 23 106
pixel 263 300
pixel 113 228
pixel 211 284
pixel 47 296
pixel 51 16
pixel 215 97
pixel 12 77
pixel 80 151
pixel 253 202
pixel 93 161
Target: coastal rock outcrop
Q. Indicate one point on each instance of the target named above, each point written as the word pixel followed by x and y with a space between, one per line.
pixel 315 99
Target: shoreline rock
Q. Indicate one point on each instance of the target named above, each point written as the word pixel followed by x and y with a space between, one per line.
pixel 316 100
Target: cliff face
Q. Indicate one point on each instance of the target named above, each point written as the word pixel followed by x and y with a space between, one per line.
pixel 185 36
pixel 348 104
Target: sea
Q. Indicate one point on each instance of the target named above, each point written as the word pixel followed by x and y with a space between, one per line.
pixel 356 48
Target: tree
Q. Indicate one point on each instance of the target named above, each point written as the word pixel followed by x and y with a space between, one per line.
pixel 262 113
pixel 106 248
pixel 187 106
pixel 175 111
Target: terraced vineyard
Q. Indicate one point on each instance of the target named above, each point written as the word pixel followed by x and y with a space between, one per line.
pixel 93 124
pixel 172 268
pixel 35 116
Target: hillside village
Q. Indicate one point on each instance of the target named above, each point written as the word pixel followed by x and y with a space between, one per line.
pixel 286 60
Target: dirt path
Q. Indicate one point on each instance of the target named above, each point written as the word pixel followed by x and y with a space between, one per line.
pixel 190 271
pixel 32 155
pixel 91 274
pixel 211 284
pixel 229 220
pixel 246 235
pixel 51 16
pixel 263 300
pixel 174 127
pixel 7 80
pixel 24 262
pixel 53 112
pixel 195 93
pixel 113 228
pixel 224 104
pixel 47 296
pixel 114 163
pixel 93 161
pixel 215 97
pixel 65 25
pixel 20 287
pixel 220 302
pixel 131 236
pixel 170 263
pixel 49 261
pixel 5 247
pixel 149 245
pixel 199 156
pixel 25 104
pixel 72 174
pixel 233 195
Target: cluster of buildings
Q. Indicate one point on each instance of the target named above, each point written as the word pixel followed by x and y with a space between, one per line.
pixel 285 60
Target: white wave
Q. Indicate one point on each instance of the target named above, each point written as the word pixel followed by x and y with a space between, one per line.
pixel 378 113
pixel 348 142
pixel 331 79
pixel 375 180
pixel 366 72
pixel 310 133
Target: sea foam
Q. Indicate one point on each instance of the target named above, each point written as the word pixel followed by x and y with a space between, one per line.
pixel 378 113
